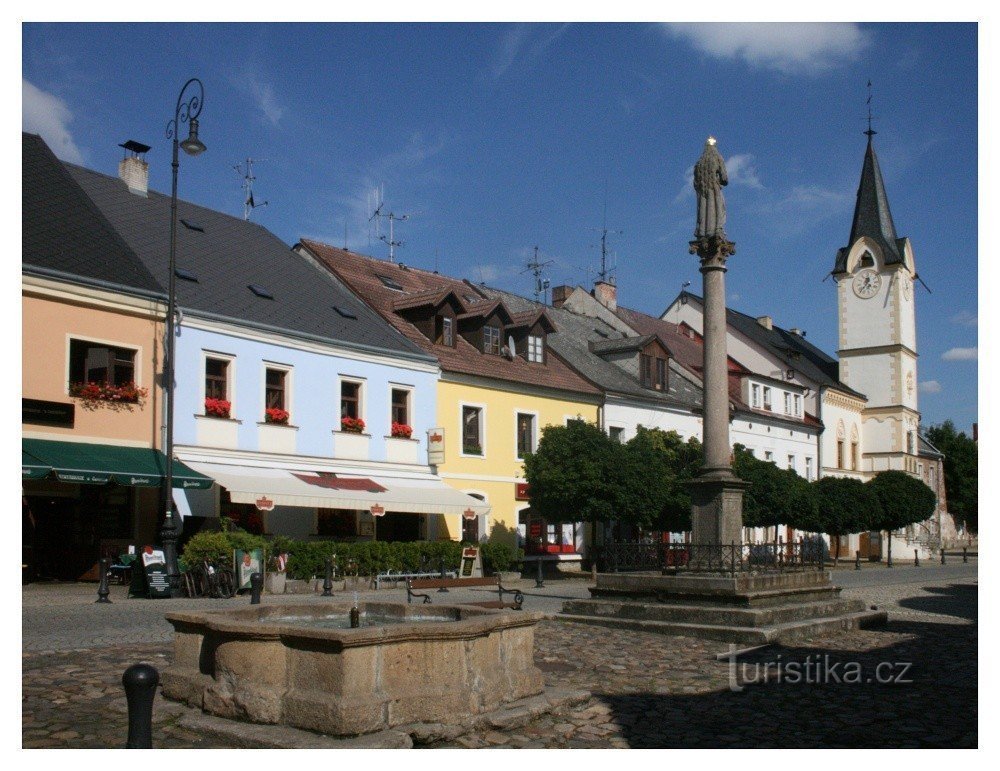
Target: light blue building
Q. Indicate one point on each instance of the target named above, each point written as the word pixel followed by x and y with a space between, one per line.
pixel 309 410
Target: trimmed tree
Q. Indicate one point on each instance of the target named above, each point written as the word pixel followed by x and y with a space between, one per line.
pixel 682 460
pixel 961 472
pixel 904 500
pixel 845 506
pixel 776 496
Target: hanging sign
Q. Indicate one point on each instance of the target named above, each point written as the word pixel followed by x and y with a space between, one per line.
pixel 263 503
pixel 435 446
pixel 376 510
pixel 154 569
pixel 472 564
pixel 469 514
pixel 522 491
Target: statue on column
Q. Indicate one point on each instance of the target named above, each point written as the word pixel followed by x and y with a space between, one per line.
pixel 709 179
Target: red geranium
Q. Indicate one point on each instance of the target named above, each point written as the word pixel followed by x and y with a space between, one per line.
pixel 218 408
pixel 352 425
pixel 401 430
pixel 117 397
pixel 276 415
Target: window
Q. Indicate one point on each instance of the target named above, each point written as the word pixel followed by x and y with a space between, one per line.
pixel 840 453
pixel 274 389
pixel 350 399
pixel 767 398
pixel 389 283
pixel 400 406
pixel 661 374
pixel 472 427
pixel 491 340
pixel 788 403
pixel 769 456
pixel 99 363
pixel 867 261
pixel 444 332
pixel 798 406
pixel 646 370
pixel 755 395
pixel 616 432
pixel 809 469
pixel 216 379
pixel 791 463
pixel 525 434
pixel 854 456
pixel 911 442
pixel 536 348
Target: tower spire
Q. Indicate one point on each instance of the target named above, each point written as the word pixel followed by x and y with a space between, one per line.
pixel 870 132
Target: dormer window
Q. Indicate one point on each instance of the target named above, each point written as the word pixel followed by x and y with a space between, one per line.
pixel 491 340
pixel 444 332
pixel 646 370
pixel 536 349
pixel 767 398
pixel 755 396
pixel 661 374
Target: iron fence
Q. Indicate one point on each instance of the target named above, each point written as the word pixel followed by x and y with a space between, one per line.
pixel 773 557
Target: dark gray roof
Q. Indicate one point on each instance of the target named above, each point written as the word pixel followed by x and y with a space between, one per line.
pixel 228 255
pixel 621 344
pixel 63 231
pixel 793 349
pixel 571 342
pixel 927 450
pixel 872 217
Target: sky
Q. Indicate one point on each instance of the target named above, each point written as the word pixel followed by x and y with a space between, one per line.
pixel 495 139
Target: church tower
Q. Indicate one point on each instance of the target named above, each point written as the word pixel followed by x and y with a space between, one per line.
pixel 877 326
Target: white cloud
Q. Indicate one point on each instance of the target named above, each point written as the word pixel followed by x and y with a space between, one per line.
pixel 961 354
pixel 792 48
pixel 49 116
pixel 965 318
pixel 522 44
pixel 263 96
pixel 742 170
pixel 930 387
pixel 483 273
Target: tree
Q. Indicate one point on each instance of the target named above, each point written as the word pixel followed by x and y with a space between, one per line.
pixel 961 472
pixel 904 500
pixel 682 462
pixel 776 496
pixel 844 506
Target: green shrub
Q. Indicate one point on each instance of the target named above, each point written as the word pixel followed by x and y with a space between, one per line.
pixel 499 557
pixel 214 547
pixel 368 558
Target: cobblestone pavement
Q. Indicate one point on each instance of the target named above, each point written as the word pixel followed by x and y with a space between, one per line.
pixel 650 691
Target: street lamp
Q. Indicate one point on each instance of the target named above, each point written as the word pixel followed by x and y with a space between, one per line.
pixel 185 112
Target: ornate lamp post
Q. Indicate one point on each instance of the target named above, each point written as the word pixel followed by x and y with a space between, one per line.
pixel 186 111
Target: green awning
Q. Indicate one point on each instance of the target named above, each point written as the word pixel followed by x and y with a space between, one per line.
pixel 98 464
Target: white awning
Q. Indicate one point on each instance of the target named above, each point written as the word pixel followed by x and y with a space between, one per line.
pixel 269 487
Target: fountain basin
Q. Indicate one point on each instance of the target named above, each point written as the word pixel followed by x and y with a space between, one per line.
pixel 291 665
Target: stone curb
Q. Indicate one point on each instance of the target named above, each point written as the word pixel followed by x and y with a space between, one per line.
pixel 256 736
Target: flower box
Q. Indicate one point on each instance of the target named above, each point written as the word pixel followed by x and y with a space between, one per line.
pixel 399 449
pixel 217 408
pixel 401 431
pixel 472 449
pixel 351 445
pixel 276 415
pixel 116 397
pixel 352 425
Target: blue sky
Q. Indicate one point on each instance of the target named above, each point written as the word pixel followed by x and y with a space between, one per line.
pixel 496 138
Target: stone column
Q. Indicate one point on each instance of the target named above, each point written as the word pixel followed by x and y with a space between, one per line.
pixel 716 494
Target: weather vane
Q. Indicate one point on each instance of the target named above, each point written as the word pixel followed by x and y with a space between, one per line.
pixel 870 132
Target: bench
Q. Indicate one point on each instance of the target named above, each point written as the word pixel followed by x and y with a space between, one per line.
pixel 394 578
pixel 458 583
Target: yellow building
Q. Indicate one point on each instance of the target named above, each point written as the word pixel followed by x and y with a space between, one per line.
pixel 500 386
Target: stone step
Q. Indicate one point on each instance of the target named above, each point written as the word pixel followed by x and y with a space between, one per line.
pixel 714 615
pixel 740 634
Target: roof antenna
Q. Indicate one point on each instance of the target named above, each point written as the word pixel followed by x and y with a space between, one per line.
pixel 870 132
pixel 246 172
pixel 541 284
pixel 604 274
pixel 378 215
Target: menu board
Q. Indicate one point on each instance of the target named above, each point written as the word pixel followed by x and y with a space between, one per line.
pixel 472 566
pixel 154 568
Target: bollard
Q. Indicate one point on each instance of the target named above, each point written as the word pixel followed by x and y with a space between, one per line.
pixel 916 558
pixel 140 681
pixel 328 581
pixel 443 588
pixel 539 583
pixel 102 590
pixel 942 555
pixel 256 583
pixel 965 554
pixel 857 560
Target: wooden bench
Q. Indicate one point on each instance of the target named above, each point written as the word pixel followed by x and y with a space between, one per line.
pixel 458 583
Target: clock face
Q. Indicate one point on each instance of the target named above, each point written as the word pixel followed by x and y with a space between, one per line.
pixel 867 283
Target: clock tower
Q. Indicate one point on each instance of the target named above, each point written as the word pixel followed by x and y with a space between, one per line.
pixel 877 326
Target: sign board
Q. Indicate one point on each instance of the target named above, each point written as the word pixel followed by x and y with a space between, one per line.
pixel 248 563
pixel 522 491
pixel 435 446
pixel 263 503
pixel 472 563
pixel 154 569
pixel 43 413
pixel 377 510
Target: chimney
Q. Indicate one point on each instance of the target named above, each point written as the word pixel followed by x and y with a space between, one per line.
pixel 133 169
pixel 797 331
pixel 560 294
pixel 606 293
pixel 765 321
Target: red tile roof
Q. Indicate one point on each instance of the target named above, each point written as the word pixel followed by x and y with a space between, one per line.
pixel 361 275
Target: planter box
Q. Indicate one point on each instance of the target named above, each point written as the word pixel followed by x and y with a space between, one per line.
pixel 352 446
pixel 217 432
pixel 399 450
pixel 274 437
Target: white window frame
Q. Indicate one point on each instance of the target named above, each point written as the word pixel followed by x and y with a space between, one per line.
pixel 768 456
pixel 788 403
pixel 536 349
pixel 482 429
pixel 621 428
pixel 798 405
pixel 136 369
pixel 409 402
pixel 767 398
pixel 289 371
pixel 755 395
pixel 362 398
pixel 791 463
pixel 809 469
pixel 230 360
pixel 534 431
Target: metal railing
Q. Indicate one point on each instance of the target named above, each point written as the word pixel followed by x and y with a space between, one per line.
pixel 772 557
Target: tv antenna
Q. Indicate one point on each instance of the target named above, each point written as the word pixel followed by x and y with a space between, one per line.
pixel 541 284
pixel 378 215
pixel 245 170
pixel 604 274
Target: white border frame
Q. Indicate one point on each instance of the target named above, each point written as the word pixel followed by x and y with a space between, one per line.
pixel 482 429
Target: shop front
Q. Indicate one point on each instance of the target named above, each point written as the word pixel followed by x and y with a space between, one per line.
pixel 81 502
